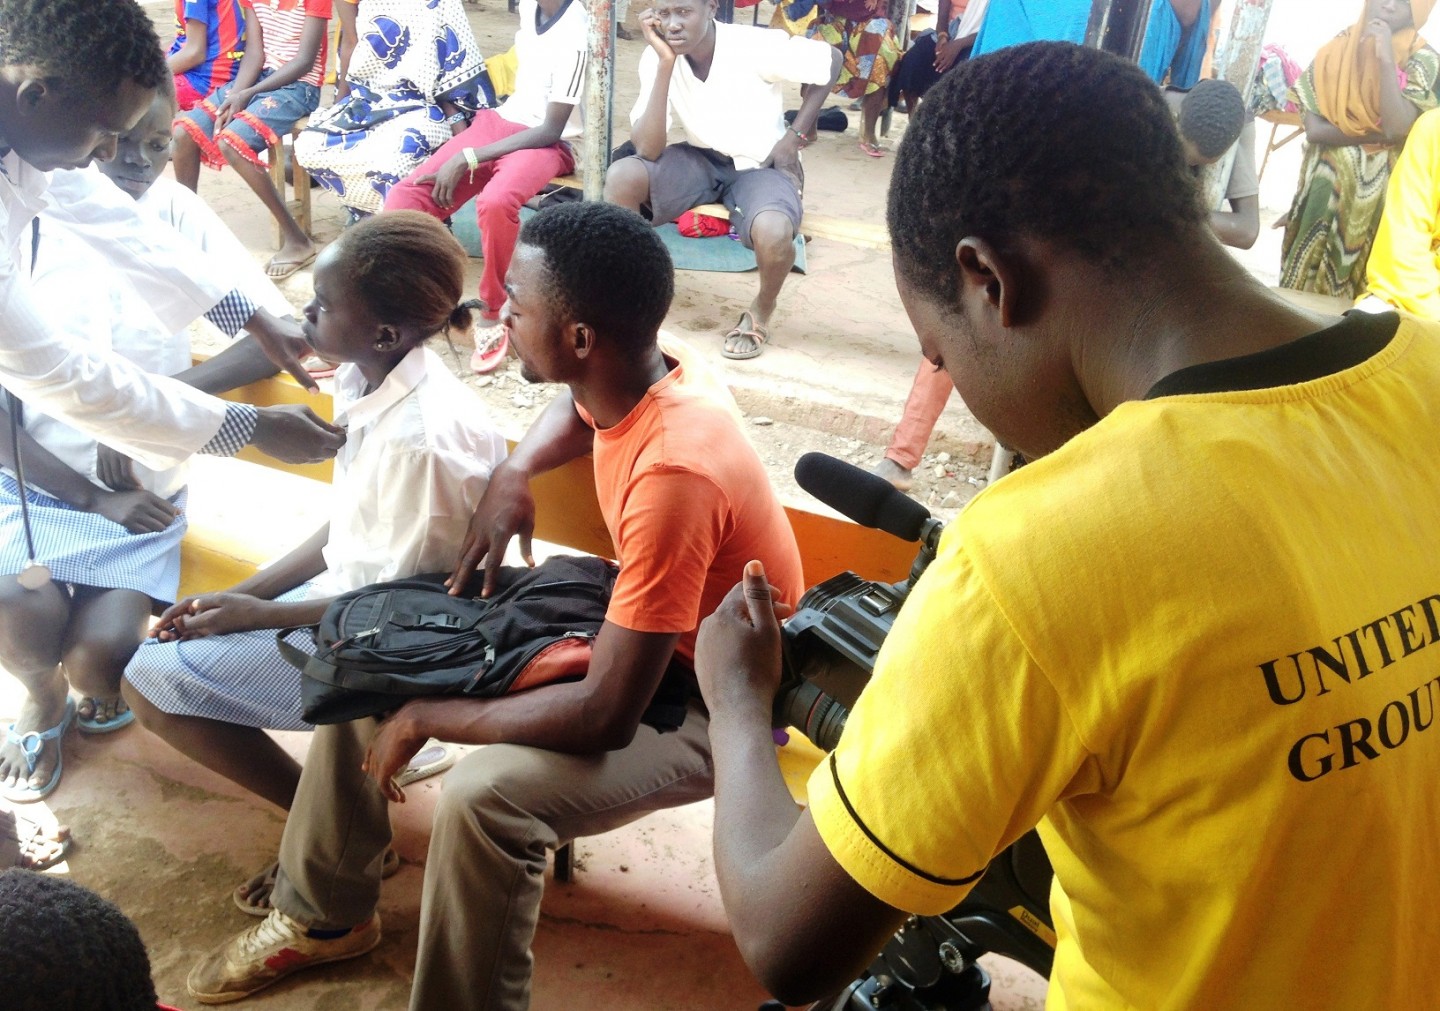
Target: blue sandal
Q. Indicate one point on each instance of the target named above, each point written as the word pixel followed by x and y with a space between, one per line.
pixel 31 743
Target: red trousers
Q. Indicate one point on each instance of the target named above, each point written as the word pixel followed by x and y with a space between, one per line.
pixel 928 394
pixel 500 187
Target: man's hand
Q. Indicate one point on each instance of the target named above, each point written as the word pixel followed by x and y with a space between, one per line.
pixel 737 652
pixel 234 102
pixel 398 740
pixel 507 508
pixel 213 614
pixel 653 30
pixel 283 343
pixel 292 433
pixel 443 183
pixel 115 469
pixel 785 156
pixel 137 511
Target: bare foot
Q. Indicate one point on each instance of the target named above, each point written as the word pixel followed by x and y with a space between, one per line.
pixel 894 473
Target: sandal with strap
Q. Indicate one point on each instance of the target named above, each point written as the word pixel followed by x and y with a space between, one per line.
pixel 30 846
pixel 757 335
pixel 491 347
pixel 31 744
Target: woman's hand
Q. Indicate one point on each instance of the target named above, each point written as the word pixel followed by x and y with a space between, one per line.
pixel 213 614
pixel 1379 30
pixel 115 469
pixel 139 511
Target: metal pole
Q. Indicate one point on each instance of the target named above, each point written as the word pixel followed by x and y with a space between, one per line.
pixel 595 143
pixel 1118 26
pixel 1237 55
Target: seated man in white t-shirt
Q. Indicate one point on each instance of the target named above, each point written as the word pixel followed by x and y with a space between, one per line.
pixel 723 82
pixel 1211 117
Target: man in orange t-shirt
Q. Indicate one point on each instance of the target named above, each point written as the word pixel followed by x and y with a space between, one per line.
pixel 687 503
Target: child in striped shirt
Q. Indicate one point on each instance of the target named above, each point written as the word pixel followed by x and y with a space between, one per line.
pixel 277 85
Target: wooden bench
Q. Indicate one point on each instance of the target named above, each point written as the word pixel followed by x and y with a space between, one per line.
pixel 820 226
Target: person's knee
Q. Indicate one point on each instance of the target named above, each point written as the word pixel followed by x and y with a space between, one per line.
pixel 493 203
pixel 627 183
pixel 99 657
pixel 151 717
pixel 772 234
pixel 182 141
pixel 23 611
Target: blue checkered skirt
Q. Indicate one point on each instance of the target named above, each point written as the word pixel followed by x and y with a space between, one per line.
pixel 239 677
pixel 87 549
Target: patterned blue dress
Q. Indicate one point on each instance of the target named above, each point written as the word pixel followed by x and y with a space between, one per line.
pixel 410 54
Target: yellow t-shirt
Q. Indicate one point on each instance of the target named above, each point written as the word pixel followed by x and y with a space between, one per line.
pixel 1201 641
pixel 1404 265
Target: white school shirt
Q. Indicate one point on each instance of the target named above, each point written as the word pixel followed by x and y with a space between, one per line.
pixel 739 109
pixel 156 420
pixel 550 66
pixel 185 211
pixel 106 314
pixel 418 455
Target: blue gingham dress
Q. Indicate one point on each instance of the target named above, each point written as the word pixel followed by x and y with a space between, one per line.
pixel 85 548
pixel 239 677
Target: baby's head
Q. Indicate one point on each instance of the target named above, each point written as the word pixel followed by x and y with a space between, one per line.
pixel 144 150
pixel 383 287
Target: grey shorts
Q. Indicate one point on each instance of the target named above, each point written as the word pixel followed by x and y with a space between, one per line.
pixel 684 177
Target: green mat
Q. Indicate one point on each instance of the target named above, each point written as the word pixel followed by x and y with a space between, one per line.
pixel 719 253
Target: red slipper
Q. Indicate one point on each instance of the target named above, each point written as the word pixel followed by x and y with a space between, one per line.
pixel 873 150
pixel 491 347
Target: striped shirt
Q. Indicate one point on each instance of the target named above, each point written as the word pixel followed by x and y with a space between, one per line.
pixel 283 22
pixel 224 23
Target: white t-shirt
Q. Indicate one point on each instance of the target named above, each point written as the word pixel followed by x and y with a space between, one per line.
pixel 419 452
pixel 738 109
pixel 550 65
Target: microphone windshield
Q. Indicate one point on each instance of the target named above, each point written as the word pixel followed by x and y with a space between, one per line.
pixel 866 498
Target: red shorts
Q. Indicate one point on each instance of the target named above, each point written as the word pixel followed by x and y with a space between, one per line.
pixel 185 94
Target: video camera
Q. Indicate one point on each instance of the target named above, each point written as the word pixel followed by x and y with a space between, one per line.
pixel 829 649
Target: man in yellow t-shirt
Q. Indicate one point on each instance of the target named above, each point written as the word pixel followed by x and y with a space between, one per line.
pixel 1197 640
pixel 1403 271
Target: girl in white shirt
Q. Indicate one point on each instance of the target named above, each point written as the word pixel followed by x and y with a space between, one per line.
pixel 417 458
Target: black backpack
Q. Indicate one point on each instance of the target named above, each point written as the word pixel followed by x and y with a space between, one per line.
pixel 380 645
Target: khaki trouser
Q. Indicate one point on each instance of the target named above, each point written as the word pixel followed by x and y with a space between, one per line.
pixel 500 812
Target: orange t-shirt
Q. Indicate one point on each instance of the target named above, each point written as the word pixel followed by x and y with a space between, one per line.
pixel 687 503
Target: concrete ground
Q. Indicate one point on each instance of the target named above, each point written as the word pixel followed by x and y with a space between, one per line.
pixel 642 925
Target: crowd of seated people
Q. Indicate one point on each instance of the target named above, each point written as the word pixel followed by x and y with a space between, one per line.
pixel 416 127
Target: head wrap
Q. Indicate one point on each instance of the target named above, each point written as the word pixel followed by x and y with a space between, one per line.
pixel 1347 71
